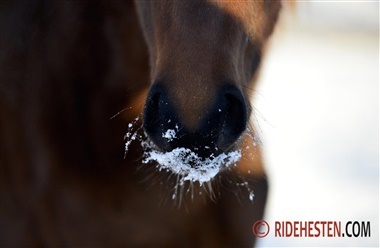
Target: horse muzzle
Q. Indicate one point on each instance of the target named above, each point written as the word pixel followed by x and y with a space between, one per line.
pixel 219 124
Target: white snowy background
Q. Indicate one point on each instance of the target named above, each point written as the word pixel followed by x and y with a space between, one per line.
pixel 318 109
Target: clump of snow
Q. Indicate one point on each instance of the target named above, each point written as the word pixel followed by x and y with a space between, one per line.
pixel 251 196
pixel 170 134
pixel 186 163
pixel 189 165
pixel 131 135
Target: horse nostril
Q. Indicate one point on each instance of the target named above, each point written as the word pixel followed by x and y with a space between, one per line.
pixel 235 118
pixel 159 117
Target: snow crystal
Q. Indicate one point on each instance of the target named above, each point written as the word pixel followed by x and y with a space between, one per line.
pixel 170 134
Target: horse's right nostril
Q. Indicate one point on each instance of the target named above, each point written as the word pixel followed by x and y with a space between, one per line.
pixel 159 117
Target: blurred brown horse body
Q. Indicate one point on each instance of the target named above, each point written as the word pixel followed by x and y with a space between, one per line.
pixel 67 67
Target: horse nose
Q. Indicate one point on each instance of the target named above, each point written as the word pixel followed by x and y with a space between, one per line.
pixel 220 124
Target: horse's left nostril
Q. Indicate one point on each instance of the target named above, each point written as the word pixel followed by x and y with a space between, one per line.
pixel 223 125
pixel 235 117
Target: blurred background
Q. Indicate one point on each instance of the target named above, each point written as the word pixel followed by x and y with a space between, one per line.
pixel 318 114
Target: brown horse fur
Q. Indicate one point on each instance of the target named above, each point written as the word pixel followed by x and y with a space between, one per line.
pixel 66 68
